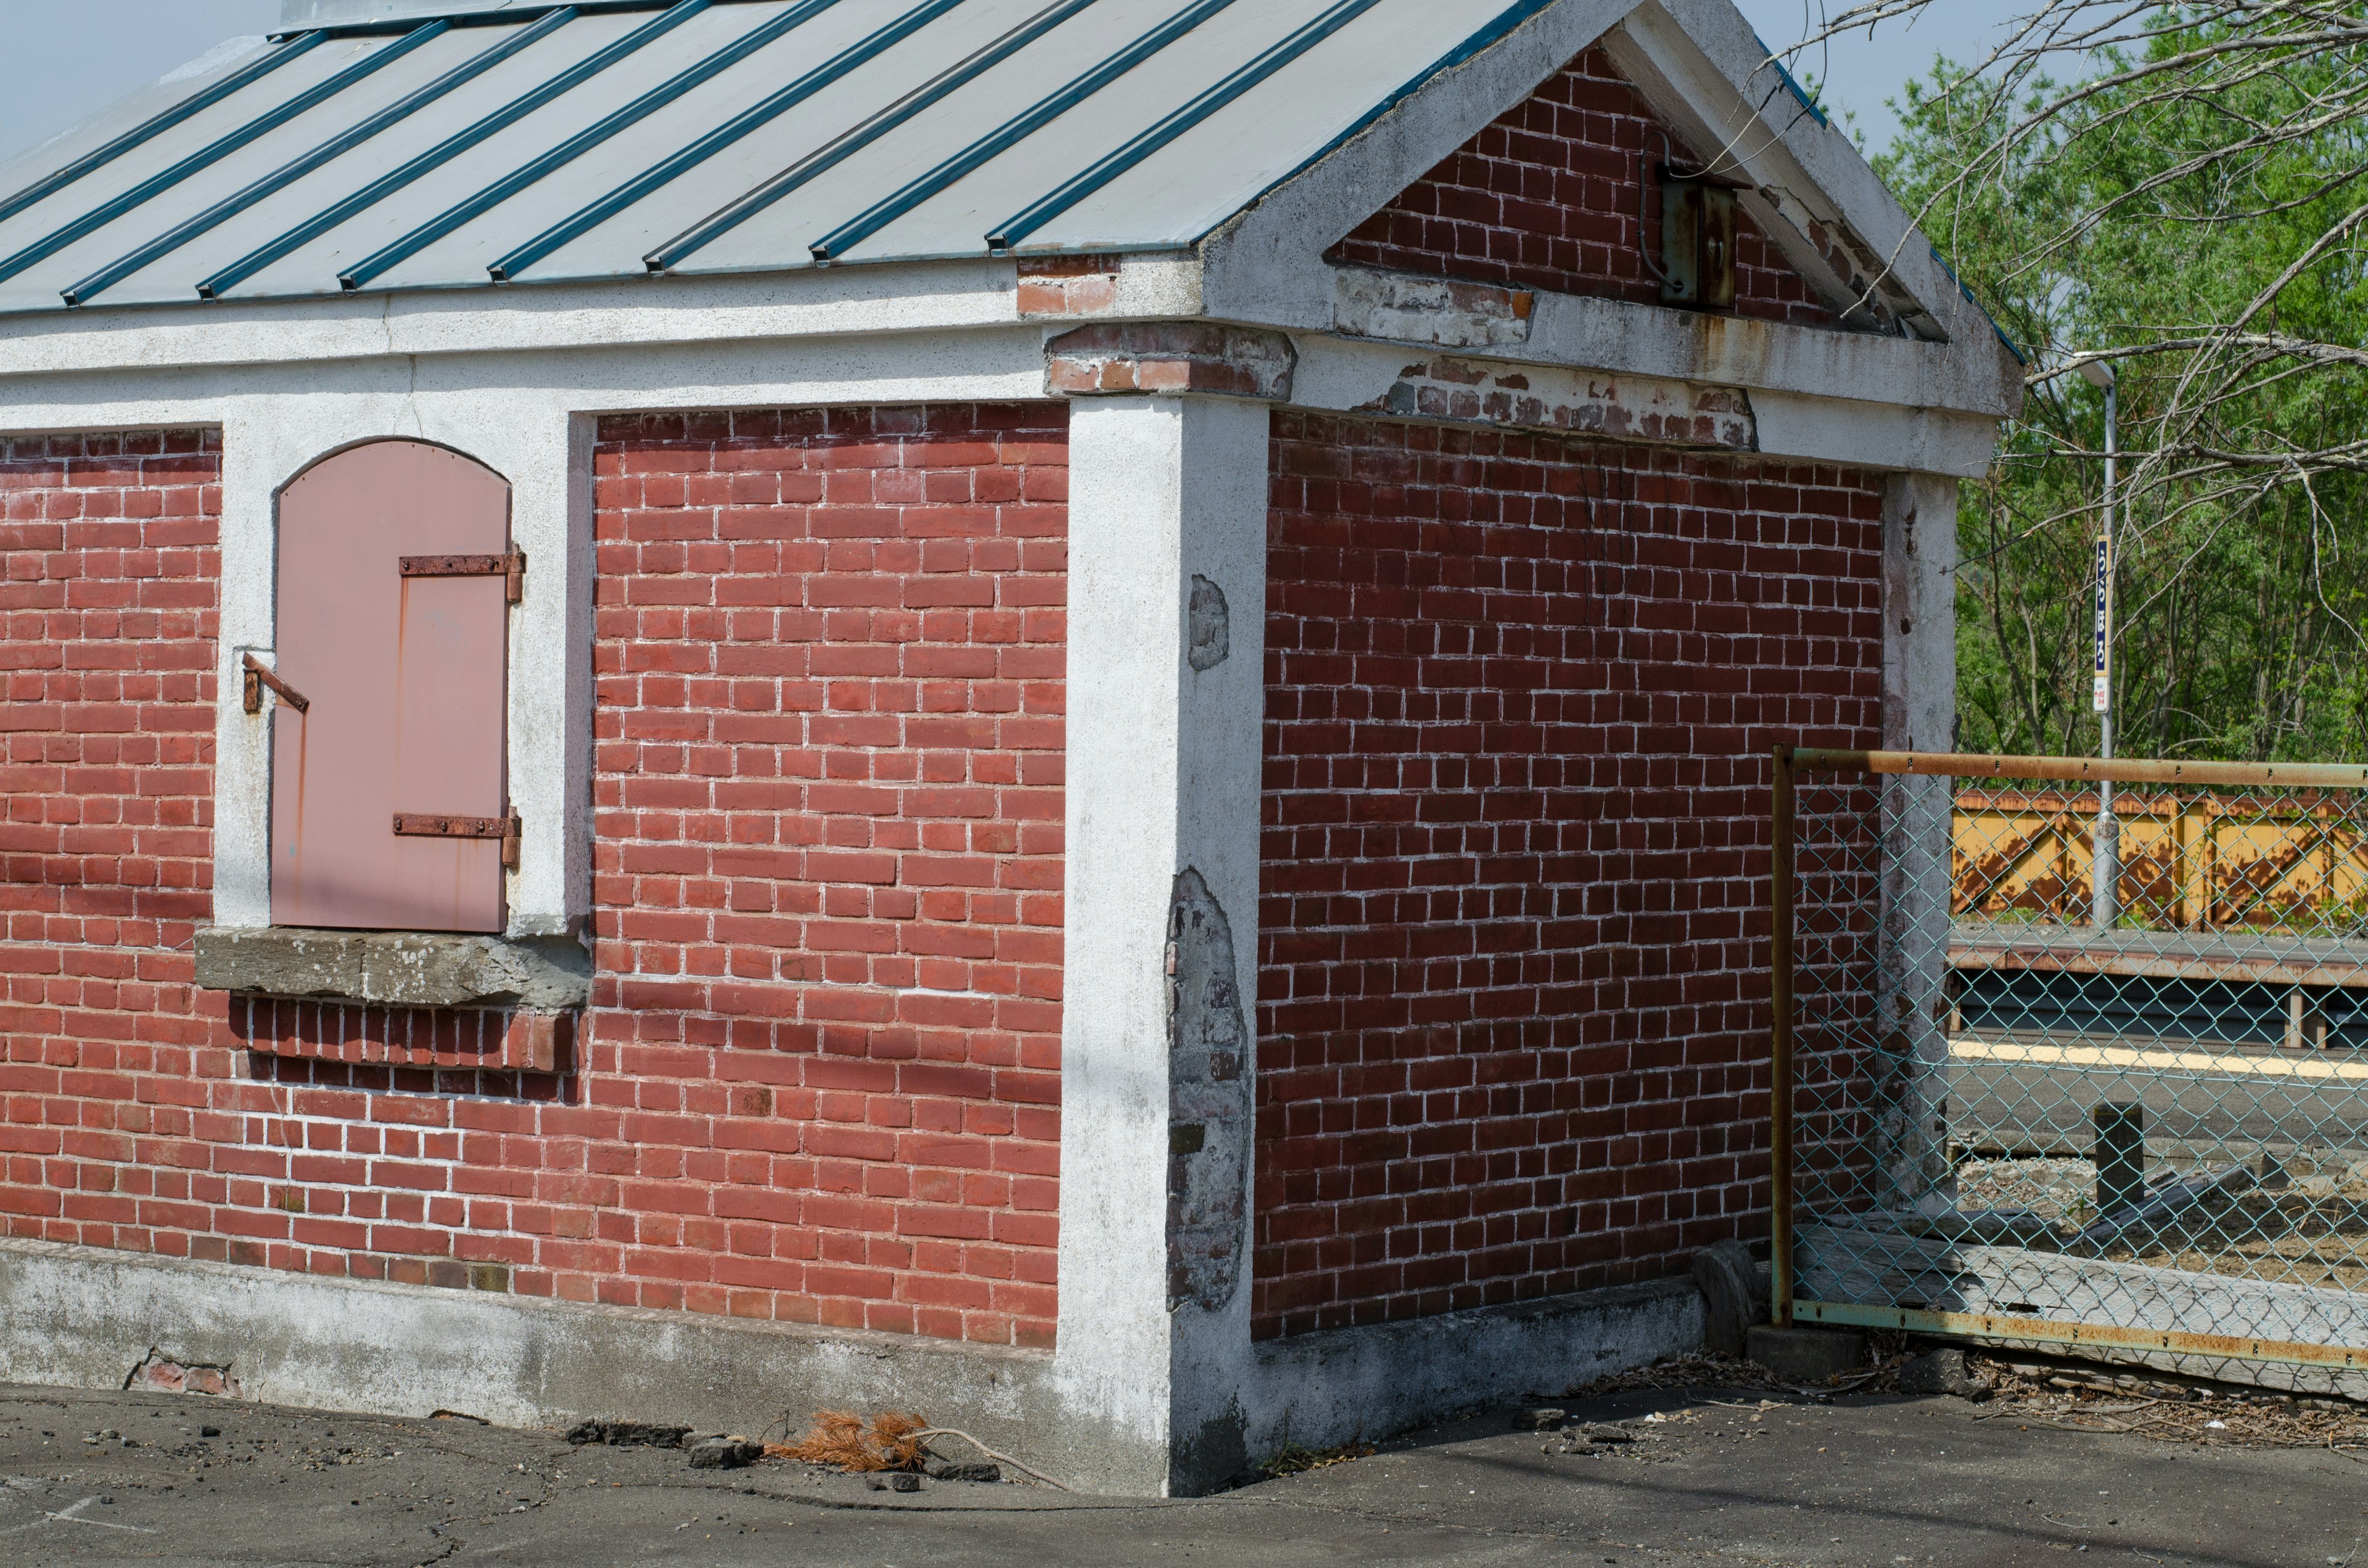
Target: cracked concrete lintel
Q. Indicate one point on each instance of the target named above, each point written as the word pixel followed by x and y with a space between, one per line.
pixel 395 969
pixel 1640 409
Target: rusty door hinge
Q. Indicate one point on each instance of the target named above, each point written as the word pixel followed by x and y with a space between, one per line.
pixel 511 567
pixel 256 675
pixel 424 825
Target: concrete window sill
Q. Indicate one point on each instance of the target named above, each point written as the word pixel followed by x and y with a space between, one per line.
pixel 395 969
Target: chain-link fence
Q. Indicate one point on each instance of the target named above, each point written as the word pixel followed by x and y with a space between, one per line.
pixel 2077 1052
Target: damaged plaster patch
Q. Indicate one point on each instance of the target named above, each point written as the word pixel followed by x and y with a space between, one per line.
pixel 1209 1101
pixel 1639 408
pixel 1211 626
pixel 1429 310
pixel 159 1373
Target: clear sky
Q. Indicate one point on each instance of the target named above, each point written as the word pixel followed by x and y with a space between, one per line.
pixel 74 57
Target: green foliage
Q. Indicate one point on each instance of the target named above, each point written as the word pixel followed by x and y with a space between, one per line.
pixel 2145 216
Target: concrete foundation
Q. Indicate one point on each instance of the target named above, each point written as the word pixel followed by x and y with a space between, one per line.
pixel 81 1317
pixel 1325 1388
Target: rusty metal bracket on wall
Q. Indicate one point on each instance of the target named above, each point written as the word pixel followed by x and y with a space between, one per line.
pixel 256 675
pixel 511 567
pixel 423 824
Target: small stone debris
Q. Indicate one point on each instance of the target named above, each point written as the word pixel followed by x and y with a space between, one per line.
pixel 725 1453
pixel 628 1434
pixel 209 1431
pixel 896 1480
pixel 968 1470
pixel 1538 1420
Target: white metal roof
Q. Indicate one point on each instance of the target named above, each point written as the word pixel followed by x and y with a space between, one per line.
pixel 606 139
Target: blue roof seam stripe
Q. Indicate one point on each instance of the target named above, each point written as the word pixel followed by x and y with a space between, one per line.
pixel 832 153
pixel 1507 23
pixel 1175 125
pixel 583 141
pixel 835 244
pixel 140 194
pixel 173 239
pixel 754 118
pixel 509 16
pixel 149 130
pixel 444 152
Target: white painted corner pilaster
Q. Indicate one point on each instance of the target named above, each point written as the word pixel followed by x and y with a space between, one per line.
pixel 1919 612
pixel 1166 699
pixel 1920 710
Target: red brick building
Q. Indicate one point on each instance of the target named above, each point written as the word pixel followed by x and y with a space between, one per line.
pixel 1137 827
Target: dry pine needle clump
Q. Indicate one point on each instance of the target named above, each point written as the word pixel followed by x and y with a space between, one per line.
pixel 844 1439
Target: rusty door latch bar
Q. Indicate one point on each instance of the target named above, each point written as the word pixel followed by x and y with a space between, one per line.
pixel 422 825
pixel 511 566
pixel 256 675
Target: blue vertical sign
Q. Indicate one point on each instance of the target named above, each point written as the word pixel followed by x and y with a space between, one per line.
pixel 2104 623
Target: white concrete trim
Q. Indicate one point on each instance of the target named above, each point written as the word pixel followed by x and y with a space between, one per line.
pixel 1162 777
pixel 1614 336
pixel 1875 436
pixel 836 301
pixel 1340 375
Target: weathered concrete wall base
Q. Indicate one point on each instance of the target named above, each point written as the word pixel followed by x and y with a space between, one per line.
pixel 80 1317
pixel 1335 1387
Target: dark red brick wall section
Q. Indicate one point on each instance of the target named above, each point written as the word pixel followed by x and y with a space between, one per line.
pixel 1548 198
pixel 826 1044
pixel 820 1079
pixel 1521 697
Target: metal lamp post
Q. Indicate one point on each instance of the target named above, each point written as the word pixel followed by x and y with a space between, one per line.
pixel 2108 868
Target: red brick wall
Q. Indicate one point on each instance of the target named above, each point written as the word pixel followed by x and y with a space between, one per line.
pixel 820 1080
pixel 1521 696
pixel 829 877
pixel 1548 198
pixel 109 1090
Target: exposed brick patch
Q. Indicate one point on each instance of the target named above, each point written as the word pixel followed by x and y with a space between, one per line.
pixel 1521 696
pixel 1067 285
pixel 1548 198
pixel 1171 357
pixel 159 1373
pixel 826 1013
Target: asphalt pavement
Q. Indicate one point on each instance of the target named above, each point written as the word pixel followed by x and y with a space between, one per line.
pixel 1687 1477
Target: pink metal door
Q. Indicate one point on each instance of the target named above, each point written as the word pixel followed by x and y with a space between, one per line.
pixel 406 678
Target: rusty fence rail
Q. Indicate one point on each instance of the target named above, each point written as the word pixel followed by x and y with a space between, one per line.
pixel 2076 1053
